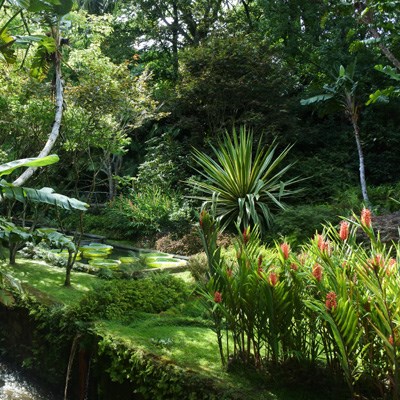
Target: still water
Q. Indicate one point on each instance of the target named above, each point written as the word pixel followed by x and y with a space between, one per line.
pixel 13 386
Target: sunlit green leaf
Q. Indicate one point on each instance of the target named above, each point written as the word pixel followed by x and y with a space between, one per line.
pixel 8 168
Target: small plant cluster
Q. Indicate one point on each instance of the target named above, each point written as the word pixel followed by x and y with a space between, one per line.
pixel 335 301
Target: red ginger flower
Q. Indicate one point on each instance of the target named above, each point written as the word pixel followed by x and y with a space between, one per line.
pixel 317 272
pixel 217 297
pixel 273 278
pixel 394 339
pixel 331 300
pixel 323 245
pixel 260 260
pixel 344 230
pixel 320 241
pixel 366 217
pixel 285 247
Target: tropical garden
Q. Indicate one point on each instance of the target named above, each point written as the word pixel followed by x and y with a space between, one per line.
pixel 200 199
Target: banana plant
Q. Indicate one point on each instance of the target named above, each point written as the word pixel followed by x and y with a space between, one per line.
pixel 15 236
pixel 42 196
pixel 48 52
pixel 343 91
pixel 60 241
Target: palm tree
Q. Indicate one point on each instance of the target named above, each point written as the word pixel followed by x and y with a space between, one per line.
pixel 244 183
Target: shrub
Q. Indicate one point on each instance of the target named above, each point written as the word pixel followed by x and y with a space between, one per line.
pixel 188 244
pixel 380 197
pixel 120 299
pixel 148 212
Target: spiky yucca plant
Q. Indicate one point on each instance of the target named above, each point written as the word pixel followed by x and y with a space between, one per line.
pixel 245 182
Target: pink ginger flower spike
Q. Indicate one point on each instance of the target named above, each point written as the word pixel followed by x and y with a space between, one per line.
pixel 331 302
pixel 366 217
pixel 317 272
pixel 344 230
pixel 285 247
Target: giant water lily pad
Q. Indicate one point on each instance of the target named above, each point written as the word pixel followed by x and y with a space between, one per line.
pixel 156 254
pixel 103 263
pixel 94 254
pixel 162 264
pixel 97 247
pixel 161 259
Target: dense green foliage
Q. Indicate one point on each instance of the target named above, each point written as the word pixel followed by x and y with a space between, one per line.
pixel 141 89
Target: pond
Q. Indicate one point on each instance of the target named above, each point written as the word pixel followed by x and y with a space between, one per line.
pixel 14 386
pixel 101 255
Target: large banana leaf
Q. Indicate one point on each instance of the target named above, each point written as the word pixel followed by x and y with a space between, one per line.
pixel 44 195
pixel 8 168
pixel 58 7
pixel 41 196
pixel 56 239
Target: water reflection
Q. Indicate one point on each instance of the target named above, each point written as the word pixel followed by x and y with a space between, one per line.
pixel 14 387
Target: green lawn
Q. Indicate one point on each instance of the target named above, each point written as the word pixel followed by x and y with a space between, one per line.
pixel 36 275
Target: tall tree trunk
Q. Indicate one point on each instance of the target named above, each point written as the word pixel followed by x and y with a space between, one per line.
pixel 55 131
pixel 385 50
pixel 362 167
pixel 353 114
pixel 13 248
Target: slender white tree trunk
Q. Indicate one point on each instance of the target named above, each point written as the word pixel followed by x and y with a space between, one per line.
pixel 352 112
pixel 55 131
pixel 361 162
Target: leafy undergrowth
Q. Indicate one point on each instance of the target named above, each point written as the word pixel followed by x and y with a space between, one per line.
pixel 180 335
